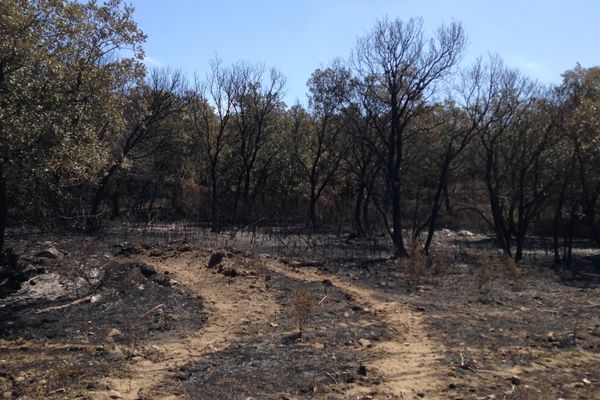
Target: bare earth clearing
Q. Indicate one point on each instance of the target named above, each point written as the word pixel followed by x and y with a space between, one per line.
pixel 187 321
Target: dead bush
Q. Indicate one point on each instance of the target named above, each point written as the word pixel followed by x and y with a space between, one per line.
pixel 488 268
pixel 303 304
pixel 438 267
pixel 416 264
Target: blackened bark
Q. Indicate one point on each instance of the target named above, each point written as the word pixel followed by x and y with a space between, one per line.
pixel 3 207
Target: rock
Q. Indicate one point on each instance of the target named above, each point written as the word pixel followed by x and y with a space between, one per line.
pixel 7 395
pixel 114 333
pixel 96 298
pixel 420 394
pixel 215 259
pixel 327 283
pixel 127 249
pixel 364 342
pixel 551 338
pixel 229 272
pixel 32 270
pixel 157 253
pixel 515 380
pixel 574 385
pixel 50 252
pixel 586 381
pixel 273 324
pixel 594 332
pixel 113 394
pixel 362 370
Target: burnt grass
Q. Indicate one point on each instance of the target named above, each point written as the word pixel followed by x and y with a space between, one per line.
pixel 531 336
pixel 535 336
pixel 278 364
pixel 51 348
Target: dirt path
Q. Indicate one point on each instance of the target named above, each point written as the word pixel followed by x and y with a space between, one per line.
pixel 228 311
pixel 408 361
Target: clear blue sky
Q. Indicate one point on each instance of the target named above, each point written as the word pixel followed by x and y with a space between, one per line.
pixel 543 38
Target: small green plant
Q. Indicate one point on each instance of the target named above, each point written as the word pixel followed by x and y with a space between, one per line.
pixel 303 304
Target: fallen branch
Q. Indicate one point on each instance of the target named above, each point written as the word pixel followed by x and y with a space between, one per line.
pixel 161 307
pixel 332 378
pixel 152 310
pixel 73 303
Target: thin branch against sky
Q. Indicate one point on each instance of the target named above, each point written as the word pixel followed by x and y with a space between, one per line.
pixel 542 38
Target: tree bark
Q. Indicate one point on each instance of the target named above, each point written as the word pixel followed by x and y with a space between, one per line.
pixel 312 211
pixel 92 220
pixel 3 207
pixel 437 203
pixel 397 238
pixel 358 210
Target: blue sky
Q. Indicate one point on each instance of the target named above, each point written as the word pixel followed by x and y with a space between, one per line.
pixel 541 38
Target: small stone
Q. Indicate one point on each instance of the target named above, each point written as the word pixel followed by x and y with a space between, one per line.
pixel 515 380
pixel 586 381
pixel 215 259
pixel 95 298
pixel 114 333
pixel 113 394
pixel 50 252
pixel 420 394
pixel 7 395
pixel 574 385
pixel 274 324
pixel 364 342
pixel 362 370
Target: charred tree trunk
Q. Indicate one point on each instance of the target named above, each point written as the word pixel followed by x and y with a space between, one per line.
pixel 93 218
pixel 116 210
pixel 214 219
pixel 397 238
pixel 358 209
pixel 435 209
pixel 556 223
pixel 3 207
pixel 312 211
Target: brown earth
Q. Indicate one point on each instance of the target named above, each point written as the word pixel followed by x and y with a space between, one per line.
pixel 181 321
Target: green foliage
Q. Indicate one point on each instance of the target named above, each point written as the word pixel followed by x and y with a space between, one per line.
pixel 63 86
pixel 384 141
